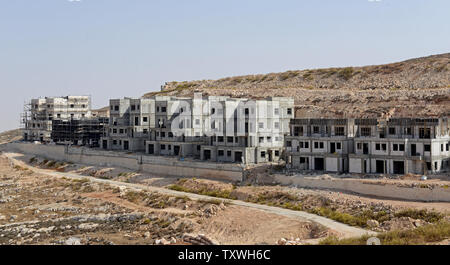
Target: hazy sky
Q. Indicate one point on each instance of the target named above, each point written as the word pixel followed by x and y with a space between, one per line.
pixel 116 48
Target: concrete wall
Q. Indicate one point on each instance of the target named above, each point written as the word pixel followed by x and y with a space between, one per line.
pixel 154 165
pixel 367 188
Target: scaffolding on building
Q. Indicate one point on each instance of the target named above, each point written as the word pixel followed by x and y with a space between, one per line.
pixel 86 132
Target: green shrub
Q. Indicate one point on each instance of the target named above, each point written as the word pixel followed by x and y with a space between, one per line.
pixel 418 236
pixel 429 216
pixel 346 73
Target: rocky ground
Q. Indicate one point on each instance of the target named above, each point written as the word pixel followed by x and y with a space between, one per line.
pixel 10 136
pixel 414 88
pixel 376 214
pixel 36 208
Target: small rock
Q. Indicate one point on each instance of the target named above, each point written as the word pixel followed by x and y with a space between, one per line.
pixel 73 241
pixel 373 223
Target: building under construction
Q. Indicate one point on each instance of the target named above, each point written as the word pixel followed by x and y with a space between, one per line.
pixel 86 132
pixel 39 113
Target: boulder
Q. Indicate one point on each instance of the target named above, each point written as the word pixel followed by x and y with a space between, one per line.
pixel 373 223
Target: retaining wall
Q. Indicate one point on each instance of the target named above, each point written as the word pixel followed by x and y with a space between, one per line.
pixel 156 165
pixel 372 189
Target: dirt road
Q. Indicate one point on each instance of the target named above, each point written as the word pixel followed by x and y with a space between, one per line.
pixel 343 229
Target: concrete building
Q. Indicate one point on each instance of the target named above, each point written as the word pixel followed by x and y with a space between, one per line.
pixel 81 132
pixel 179 126
pixel 247 131
pixel 401 146
pixel 320 144
pixel 39 114
pixel 130 122
pixel 220 129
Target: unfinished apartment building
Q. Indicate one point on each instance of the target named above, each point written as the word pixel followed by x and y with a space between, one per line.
pixel 247 131
pixel 320 144
pixel 82 132
pixel 130 121
pixel 401 146
pixel 39 114
pixel 220 129
pixel 179 126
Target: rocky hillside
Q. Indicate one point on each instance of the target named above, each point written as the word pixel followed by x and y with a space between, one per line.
pixel 414 87
pixel 9 136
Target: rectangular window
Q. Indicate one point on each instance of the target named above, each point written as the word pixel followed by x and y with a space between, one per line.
pixel 263 154
pixel 277 125
pixel 229 153
pixel 424 133
pixel 229 139
pixel 365 131
pixel 301 144
pixel 163 147
pixel 359 146
pixel 321 145
pixel 298 131
pixel 145 119
pixel 220 139
pixel 395 147
pixel 338 146
pixel 401 147
pixel 306 144
pixel 277 153
pixel 261 139
pixel 276 111
pixel 377 147
pixel 261 125
pixel 316 129
pixel 392 130
pixel 163 109
pixel 133 107
pixel 316 145
pixel 289 111
pixel 163 134
pixel 383 146
pixel 221 153
pixel 339 131
pixel 427 148
pixel 408 131
pixel 288 143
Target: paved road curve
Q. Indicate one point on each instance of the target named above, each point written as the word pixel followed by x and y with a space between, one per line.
pixel 345 230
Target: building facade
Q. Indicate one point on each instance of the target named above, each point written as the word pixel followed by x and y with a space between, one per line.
pixel 220 129
pixel 401 146
pixel 39 114
pixel 320 144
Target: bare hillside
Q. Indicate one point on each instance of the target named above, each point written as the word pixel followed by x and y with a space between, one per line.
pixel 414 87
pixel 9 136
